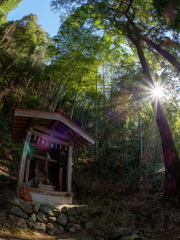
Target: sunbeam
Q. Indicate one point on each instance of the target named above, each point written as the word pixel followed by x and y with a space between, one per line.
pixel 157 92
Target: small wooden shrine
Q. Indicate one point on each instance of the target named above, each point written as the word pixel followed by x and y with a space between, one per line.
pixel 46 164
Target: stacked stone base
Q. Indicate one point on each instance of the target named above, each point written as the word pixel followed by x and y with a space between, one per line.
pixel 54 220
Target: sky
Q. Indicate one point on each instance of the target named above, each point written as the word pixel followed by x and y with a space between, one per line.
pixel 48 19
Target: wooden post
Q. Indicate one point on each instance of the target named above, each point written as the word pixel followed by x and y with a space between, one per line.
pixel 60 178
pixel 69 168
pixel 23 159
pixel 27 171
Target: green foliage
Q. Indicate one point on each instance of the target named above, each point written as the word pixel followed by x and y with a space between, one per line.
pixel 91 70
pixel 5 7
pixel 32 102
pixel 5 129
pixel 25 51
pixel 169 11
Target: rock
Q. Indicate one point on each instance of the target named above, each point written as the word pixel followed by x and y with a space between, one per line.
pixel 68 226
pixel 18 212
pixel 51 219
pixel 75 210
pixel 41 217
pixel 50 210
pixel 48 218
pixel 37 226
pixel 19 222
pixel 74 219
pixel 26 206
pixel 84 218
pixel 64 209
pixel 62 219
pixel 54 229
pixel 80 209
pixel 16 201
pixel 72 229
pixel 71 212
pixel 36 207
pixel 89 225
pixel 32 217
pixel 75 228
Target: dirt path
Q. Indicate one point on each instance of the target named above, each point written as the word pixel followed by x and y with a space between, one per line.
pixel 27 236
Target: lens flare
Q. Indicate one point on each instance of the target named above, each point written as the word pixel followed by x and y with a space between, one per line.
pixel 157 92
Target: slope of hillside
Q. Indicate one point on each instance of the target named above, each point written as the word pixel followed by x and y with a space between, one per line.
pixel 118 209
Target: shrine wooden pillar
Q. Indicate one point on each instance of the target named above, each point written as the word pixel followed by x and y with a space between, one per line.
pixel 27 170
pixel 69 169
pixel 23 159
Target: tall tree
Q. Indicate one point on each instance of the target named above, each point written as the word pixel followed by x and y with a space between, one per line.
pixel 24 51
pixel 132 20
pixel 170 154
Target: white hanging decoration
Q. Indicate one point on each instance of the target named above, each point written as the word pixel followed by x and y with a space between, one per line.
pixel 65 147
pixel 51 145
pixel 35 137
pixel 38 139
pixel 56 145
pixel 60 147
pixel 43 141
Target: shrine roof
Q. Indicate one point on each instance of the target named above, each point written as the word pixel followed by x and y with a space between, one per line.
pixel 49 124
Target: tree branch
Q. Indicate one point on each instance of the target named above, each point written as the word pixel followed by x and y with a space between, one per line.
pixel 170 58
pixel 129 6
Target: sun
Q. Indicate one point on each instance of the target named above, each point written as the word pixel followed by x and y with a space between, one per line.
pixel 158 91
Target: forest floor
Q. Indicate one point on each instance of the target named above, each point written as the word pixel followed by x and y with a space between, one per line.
pixel 118 210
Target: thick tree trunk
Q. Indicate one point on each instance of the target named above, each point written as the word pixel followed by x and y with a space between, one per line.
pixel 171 158
pixel 170 155
pixel 170 58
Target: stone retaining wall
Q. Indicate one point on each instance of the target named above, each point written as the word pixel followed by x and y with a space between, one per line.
pixel 53 220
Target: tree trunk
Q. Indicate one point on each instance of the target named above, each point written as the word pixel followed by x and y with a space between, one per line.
pixel 140 135
pixel 170 58
pixel 171 158
pixel 170 154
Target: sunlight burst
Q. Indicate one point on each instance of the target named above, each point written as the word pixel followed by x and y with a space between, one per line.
pixel 158 91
